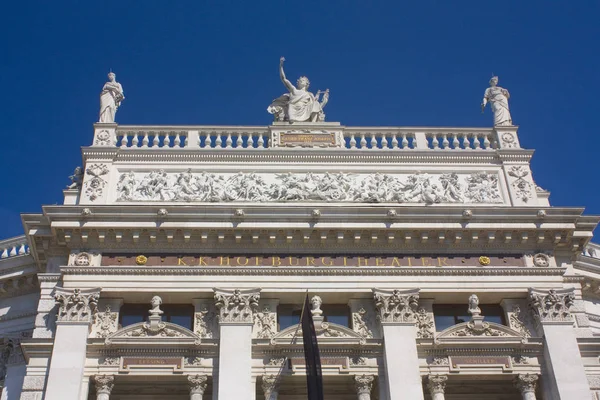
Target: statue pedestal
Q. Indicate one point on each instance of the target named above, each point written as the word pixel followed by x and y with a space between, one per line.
pixel 310 135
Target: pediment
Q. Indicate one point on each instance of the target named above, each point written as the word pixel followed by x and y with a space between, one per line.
pixel 164 333
pixel 488 332
pixel 326 333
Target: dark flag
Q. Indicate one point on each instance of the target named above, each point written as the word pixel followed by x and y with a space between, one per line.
pixel 314 377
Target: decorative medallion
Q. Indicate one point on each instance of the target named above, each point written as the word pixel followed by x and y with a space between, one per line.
pixel 541 260
pixel 141 260
pixel 484 260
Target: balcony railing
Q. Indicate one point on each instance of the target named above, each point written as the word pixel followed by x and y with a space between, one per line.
pixel 14 247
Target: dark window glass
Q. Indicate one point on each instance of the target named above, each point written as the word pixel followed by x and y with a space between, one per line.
pixel 180 314
pixel 446 315
pixel 289 314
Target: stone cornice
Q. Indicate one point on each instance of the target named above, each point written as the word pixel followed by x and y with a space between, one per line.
pixel 313 271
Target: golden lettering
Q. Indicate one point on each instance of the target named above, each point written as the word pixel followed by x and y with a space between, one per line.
pixel 396 262
pixel 276 259
pixel 310 261
pixel 221 261
pixel 201 261
pixel 238 262
pixel 180 261
pixel 325 263
pixel 291 263
pixel 425 261
pixel 379 262
pixel 366 260
pixel 345 261
pixel 256 259
pixel 442 262
pixel 409 262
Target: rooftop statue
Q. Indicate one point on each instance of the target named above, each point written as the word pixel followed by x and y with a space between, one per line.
pixel 498 98
pixel 299 105
pixel 110 99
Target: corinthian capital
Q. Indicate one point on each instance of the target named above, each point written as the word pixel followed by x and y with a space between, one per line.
pixel 270 386
pixel 236 306
pixel 363 384
pixel 197 384
pixel 104 384
pixel 552 305
pixel 526 383
pixel 395 306
pixel 76 305
pixel 437 384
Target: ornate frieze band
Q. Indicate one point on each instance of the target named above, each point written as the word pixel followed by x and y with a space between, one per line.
pixel 480 187
pixel 551 305
pixel 396 306
pixel 76 305
pixel 237 306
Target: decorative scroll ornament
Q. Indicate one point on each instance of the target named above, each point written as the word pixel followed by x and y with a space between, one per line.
pixel 518 321
pixel 276 361
pixel 76 305
pixel 361 323
pixel 437 384
pixel 193 361
pixel 106 322
pixel 396 305
pixel 440 360
pixel 104 384
pixel 524 189
pixel 357 361
pixel 424 324
pixel 102 138
pixel 551 306
pixel 363 384
pixel 236 305
pixel 265 323
pixel 330 187
pixel 526 383
pixel 110 361
pixel 270 385
pixel 95 186
pixel 205 322
pixel 472 329
pixel 197 384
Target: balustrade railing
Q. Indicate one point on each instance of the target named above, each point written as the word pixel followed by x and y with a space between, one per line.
pixel 354 138
pixel 14 247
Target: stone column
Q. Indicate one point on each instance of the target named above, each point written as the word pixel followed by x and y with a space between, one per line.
pixel 397 313
pixel 104 385
pixel 526 384
pixel 565 374
pixel 363 385
pixel 270 386
pixel 437 386
pixel 197 386
pixel 76 309
pixel 236 317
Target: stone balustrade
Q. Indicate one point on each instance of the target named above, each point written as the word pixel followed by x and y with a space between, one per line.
pixel 351 138
pixel 13 247
pixel 592 250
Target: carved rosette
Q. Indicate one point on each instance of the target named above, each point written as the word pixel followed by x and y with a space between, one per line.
pixel 197 384
pixel 270 386
pixel 363 384
pixel 104 384
pixel 437 384
pixel 76 306
pixel 552 305
pixel 526 383
pixel 396 306
pixel 237 306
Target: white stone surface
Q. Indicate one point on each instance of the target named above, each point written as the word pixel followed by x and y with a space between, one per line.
pixel 235 362
pixel 402 361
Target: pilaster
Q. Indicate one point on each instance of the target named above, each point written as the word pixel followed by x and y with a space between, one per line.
pixel 236 318
pixel 76 311
pixel 45 318
pixel 397 311
pixel 563 364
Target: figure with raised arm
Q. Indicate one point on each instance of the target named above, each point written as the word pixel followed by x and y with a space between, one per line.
pixel 110 99
pixel 498 99
pixel 299 105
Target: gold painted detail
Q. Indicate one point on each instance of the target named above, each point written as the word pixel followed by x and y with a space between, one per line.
pixel 484 260
pixel 141 260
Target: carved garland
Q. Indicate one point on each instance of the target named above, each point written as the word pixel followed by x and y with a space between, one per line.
pixel 95 186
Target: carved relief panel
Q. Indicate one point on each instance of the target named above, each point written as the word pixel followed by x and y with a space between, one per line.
pixel 106 320
pixel 363 318
pixel 205 319
pixel 518 316
pixel 265 319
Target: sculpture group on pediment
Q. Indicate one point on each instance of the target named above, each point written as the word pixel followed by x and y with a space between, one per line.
pixel 329 187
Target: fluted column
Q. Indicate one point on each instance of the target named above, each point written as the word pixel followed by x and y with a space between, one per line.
pixel 437 386
pixel 197 385
pixel 270 386
pixel 565 374
pixel 396 311
pixel 526 384
pixel 76 310
pixel 104 385
pixel 236 318
pixel 363 385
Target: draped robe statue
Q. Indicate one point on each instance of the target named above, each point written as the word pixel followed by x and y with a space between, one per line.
pixel 498 99
pixel 110 99
pixel 299 105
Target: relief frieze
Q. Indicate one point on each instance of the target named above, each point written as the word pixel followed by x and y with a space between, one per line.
pixel 286 261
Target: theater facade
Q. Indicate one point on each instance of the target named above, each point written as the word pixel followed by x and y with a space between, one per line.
pixel 177 266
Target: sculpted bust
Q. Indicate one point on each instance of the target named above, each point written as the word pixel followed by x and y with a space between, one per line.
pixel 156 302
pixel 299 105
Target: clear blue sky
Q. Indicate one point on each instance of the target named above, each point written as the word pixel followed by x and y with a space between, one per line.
pixel 387 63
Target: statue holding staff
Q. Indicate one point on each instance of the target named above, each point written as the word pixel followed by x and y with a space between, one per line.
pixel 498 99
pixel 110 99
pixel 299 105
